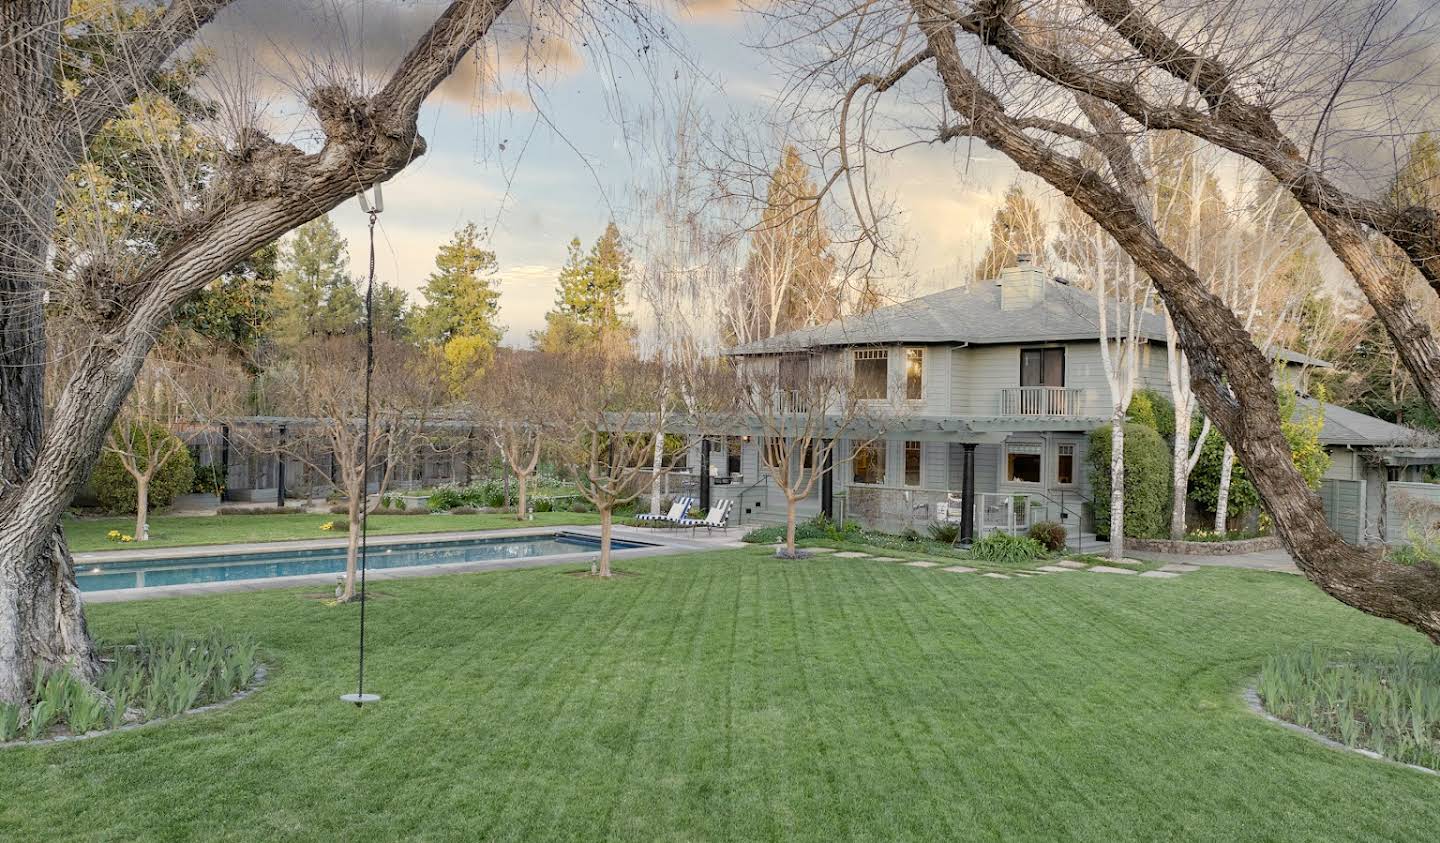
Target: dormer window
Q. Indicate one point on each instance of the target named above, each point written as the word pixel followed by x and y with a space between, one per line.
pixel 872 373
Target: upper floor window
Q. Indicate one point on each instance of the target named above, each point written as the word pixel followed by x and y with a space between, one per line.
pixel 1042 367
pixel 872 373
pixel 914 373
pixel 794 371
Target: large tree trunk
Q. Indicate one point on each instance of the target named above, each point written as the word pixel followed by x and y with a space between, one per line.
pixel 1117 485
pixel 790 526
pixel 42 622
pixel 521 482
pixel 1222 491
pixel 607 522
pixel 352 544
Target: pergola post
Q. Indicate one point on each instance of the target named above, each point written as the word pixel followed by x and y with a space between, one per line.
pixel 280 470
pixel 224 462
pixel 705 473
pixel 827 483
pixel 967 495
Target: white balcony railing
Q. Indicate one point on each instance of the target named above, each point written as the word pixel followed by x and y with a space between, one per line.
pixel 1040 401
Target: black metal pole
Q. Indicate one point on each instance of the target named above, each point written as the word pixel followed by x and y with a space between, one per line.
pixel 705 474
pixel 967 496
pixel 224 462
pixel 280 471
pixel 827 483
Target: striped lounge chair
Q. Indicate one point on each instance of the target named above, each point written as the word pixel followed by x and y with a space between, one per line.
pixel 678 510
pixel 718 518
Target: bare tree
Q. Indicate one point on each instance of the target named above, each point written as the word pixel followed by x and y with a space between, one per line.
pixel 609 416
pixel 515 402
pixel 802 406
pixel 259 189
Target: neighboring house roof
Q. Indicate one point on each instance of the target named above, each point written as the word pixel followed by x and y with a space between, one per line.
pixel 1347 427
pixel 973 315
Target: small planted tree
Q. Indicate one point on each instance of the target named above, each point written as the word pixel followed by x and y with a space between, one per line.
pixel 515 402
pixel 326 398
pixel 801 406
pixel 608 421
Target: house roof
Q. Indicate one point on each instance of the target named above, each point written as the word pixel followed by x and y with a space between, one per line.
pixel 972 314
pixel 1347 427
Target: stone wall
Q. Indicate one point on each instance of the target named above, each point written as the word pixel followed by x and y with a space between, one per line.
pixel 1229 548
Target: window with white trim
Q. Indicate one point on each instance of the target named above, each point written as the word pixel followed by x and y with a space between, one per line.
pixel 1065 464
pixel 914 374
pixel 872 373
pixel 1022 463
pixel 869 463
pixel 912 463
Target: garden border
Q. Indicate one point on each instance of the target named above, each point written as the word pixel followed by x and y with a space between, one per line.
pixel 1192 548
pixel 1252 699
pixel 261 675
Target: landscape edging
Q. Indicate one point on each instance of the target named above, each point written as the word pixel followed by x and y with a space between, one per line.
pixel 1192 548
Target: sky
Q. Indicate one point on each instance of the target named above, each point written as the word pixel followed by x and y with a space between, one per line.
pixel 535 139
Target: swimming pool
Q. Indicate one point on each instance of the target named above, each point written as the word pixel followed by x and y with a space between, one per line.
pixel 214 567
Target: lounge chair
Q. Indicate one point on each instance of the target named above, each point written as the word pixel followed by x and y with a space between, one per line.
pixel 718 518
pixel 678 510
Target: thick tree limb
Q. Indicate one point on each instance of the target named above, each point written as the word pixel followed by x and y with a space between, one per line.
pixel 1231 376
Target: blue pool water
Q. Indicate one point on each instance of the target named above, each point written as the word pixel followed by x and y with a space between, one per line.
pixel 105 576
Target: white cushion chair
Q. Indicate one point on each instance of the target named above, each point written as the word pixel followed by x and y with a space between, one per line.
pixel 678 510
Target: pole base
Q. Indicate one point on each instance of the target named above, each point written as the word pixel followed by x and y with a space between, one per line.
pixel 360 699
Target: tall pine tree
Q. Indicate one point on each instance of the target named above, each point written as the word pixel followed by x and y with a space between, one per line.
pixel 1017 228
pixel 462 301
pixel 589 309
pixel 315 295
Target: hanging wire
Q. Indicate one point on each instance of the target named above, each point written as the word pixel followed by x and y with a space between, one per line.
pixel 360 697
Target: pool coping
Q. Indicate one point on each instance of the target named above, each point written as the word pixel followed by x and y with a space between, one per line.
pixel 658 545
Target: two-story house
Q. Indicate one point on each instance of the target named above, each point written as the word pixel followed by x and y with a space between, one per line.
pixel 991 389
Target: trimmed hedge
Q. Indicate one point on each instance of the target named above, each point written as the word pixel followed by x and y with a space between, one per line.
pixel 1147 481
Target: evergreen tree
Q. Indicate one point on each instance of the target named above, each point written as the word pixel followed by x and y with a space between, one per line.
pixel 390 312
pixel 1018 227
pixel 789 279
pixel 461 295
pixel 315 296
pixel 589 307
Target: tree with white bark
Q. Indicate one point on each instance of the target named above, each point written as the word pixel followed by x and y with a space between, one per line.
pixel 259 189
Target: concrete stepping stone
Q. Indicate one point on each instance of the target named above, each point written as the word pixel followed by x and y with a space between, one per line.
pixel 921 563
pixel 1179 568
pixel 1071 564
pixel 886 559
pixel 1026 574
pixel 1055 569
pixel 1106 569
pixel 959 569
pixel 996 576
pixel 852 554
pixel 1160 575
pixel 820 549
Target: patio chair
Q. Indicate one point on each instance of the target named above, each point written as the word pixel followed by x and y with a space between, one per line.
pixel 718 518
pixel 678 510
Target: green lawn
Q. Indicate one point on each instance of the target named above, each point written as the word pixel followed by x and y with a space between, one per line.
pixel 178 530
pixel 737 697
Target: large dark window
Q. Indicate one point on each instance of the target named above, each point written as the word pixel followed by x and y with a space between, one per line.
pixel 794 371
pixel 912 463
pixel 914 373
pixel 872 373
pixel 869 463
pixel 732 454
pixel 1042 367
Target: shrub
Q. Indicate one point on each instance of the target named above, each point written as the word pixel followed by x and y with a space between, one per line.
pixel 1390 706
pixel 1050 534
pixel 944 531
pixel 116 488
pixel 544 505
pixel 209 479
pixel 261 510
pixel 1147 481
pixel 1302 432
pixel 819 527
pixel 445 499
pixel 1007 549
pixel 1153 410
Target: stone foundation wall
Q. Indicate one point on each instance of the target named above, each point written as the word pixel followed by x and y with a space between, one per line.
pixel 1255 545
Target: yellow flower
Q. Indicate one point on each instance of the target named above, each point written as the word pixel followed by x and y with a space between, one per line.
pixel 127 538
pixel 113 535
pixel 328 525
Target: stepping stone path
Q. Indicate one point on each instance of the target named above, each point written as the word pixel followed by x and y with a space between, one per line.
pixel 1179 568
pixel 1071 564
pixel 852 554
pixel 1055 569
pixel 996 576
pixel 919 564
pixel 1160 575
pixel 820 549
pixel 1106 569
pixel 959 569
pixel 886 559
